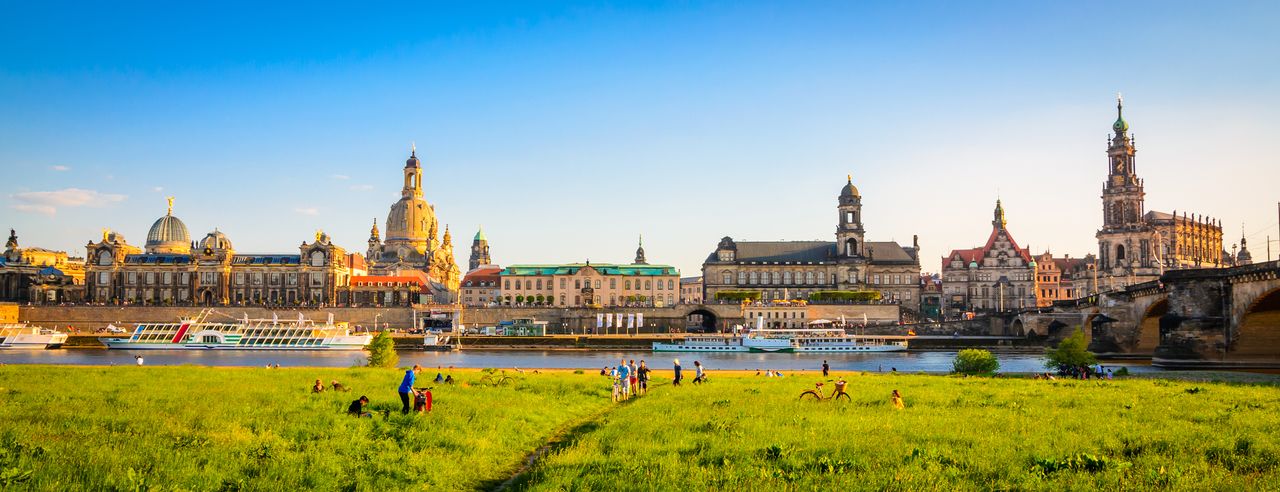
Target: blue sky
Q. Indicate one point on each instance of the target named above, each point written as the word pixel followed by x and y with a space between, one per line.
pixel 569 129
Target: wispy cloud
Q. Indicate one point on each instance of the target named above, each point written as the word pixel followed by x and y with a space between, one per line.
pixel 307 210
pixel 158 189
pixel 341 176
pixel 48 202
pixel 362 187
pixel 60 168
pixel 36 209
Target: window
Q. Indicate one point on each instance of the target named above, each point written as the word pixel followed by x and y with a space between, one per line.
pixel 613 284
pixel 755 278
pixel 577 284
pixel 564 283
pixel 131 278
pixel 822 278
pixel 659 285
pixel 103 278
pixel 727 278
pixel 627 284
pixel 648 285
pixel 151 278
pixel 742 277
pixel 671 284
pixel 104 257
pixel 167 278
pixel 292 279
pixel 786 277
pixel 876 279
pixel 597 284
pixel 275 279
pixel 506 284
pixel 808 277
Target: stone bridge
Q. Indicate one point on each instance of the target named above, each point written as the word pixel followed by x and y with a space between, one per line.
pixel 1227 317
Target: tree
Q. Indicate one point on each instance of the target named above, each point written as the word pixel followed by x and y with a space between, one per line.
pixel 519 299
pixel 382 351
pixel 975 362
pixel 1071 352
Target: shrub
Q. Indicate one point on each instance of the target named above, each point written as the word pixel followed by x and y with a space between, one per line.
pixel 737 295
pixel 846 295
pixel 976 361
pixel 1123 371
pixel 382 351
pixel 1071 352
pixel 519 299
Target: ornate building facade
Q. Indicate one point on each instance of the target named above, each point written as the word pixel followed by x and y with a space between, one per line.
pixel 171 269
pixel 38 275
pixel 796 269
pixel 411 236
pixel 479 251
pixel 998 276
pixel 1137 246
pixel 480 286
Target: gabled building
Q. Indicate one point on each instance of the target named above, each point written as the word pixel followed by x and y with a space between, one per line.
pixel 997 276
pixel 480 287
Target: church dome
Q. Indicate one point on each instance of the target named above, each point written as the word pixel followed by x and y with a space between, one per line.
pixel 168 235
pixel 215 240
pixel 1120 126
pixel 410 218
pixel 849 189
pixel 413 161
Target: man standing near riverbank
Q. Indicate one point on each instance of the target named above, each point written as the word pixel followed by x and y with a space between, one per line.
pixel 406 387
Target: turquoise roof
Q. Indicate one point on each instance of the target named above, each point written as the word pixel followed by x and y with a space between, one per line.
pixel 603 268
pixel 480 235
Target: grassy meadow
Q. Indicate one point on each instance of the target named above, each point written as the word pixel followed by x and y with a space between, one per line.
pixel 197 428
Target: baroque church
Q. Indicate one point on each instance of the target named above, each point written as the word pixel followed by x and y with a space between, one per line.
pixel 412 241
pixel 1135 245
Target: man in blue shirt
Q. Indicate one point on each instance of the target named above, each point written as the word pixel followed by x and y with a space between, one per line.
pixel 406 387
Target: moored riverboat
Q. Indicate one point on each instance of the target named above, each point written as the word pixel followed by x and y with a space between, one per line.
pixel 244 334
pixel 27 337
pixel 786 341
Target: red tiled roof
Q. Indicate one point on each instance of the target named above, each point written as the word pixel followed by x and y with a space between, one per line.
pixel 483 274
pixel 976 254
pixel 413 277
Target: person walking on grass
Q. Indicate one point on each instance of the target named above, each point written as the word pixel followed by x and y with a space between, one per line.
pixel 826 369
pixel 699 376
pixel 624 378
pixel 406 387
pixel 635 377
pixel 643 374
pixel 676 381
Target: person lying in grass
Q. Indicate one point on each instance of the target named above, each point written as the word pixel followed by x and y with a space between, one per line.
pixel 338 386
pixel 318 387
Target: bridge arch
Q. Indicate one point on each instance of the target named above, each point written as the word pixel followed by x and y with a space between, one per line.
pixel 1149 327
pixel 1258 335
pixel 703 318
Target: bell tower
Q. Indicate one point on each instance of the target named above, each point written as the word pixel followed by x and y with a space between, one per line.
pixel 849 232
pixel 1126 242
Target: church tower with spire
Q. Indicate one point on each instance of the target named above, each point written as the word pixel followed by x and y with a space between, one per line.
pixel 479 250
pixel 849 232
pixel 640 260
pixel 1128 246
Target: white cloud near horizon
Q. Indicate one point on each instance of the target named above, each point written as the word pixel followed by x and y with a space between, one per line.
pixel 158 189
pixel 60 168
pixel 341 176
pixel 48 202
pixel 307 210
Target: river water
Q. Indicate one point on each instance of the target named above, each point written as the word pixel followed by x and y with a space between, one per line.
pixel 935 362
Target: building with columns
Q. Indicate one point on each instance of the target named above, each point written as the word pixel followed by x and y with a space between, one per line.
pixel 171 269
pixel 38 275
pixel 1135 245
pixel 778 270
pixel 591 284
pixel 997 276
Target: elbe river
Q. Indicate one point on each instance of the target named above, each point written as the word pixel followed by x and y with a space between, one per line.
pixel 933 362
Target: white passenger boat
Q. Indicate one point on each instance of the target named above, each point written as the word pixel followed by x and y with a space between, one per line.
pixel 782 340
pixel 21 336
pixel 243 334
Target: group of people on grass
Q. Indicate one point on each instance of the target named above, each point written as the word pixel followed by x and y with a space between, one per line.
pixel 412 399
pixel 628 379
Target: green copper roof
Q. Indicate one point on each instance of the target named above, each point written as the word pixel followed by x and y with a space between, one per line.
pixel 480 235
pixel 604 268
pixel 1120 126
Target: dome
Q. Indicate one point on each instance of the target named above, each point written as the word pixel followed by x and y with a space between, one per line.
pixel 413 161
pixel 849 189
pixel 215 240
pixel 1032 264
pixel 973 264
pixel 168 235
pixel 1120 126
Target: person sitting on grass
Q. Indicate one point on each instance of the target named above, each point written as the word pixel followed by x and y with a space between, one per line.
pixel 357 408
pixel 896 399
pixel 439 378
pixel 318 387
pixel 338 386
pixel 448 379
pixel 422 400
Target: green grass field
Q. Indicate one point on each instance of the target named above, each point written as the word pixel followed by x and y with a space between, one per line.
pixel 194 428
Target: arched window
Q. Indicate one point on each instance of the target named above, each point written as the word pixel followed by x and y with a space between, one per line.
pixel 671 285
pixel 808 277
pixel 742 277
pixel 627 284
pixel 851 247
pixel 822 278
pixel 104 257
pixel 1119 252
pixel 755 278
pixel 786 277
pixel 727 278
